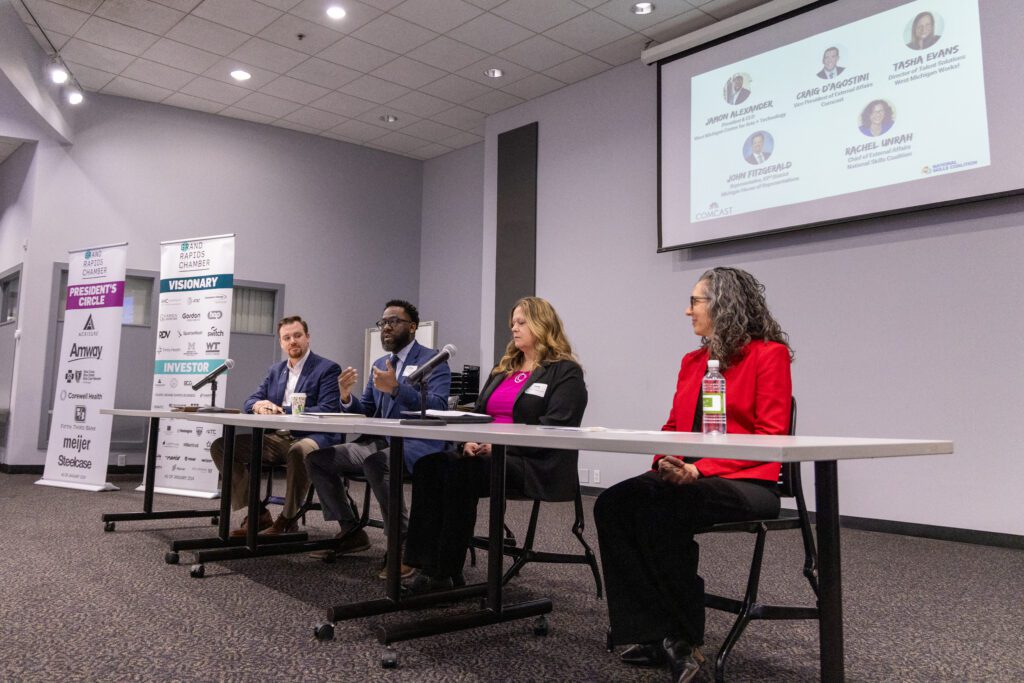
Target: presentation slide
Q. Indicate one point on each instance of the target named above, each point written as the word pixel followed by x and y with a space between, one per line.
pixel 875 106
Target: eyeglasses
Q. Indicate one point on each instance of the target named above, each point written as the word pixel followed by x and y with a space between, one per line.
pixel 390 322
pixel 694 300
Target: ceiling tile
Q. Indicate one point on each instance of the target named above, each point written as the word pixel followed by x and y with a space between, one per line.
pixel 399 142
pixel 246 115
pixel 619 11
pixel 539 53
pixel 625 50
pixel 447 54
pixel 126 87
pixel 409 72
pixel 96 56
pixel 430 130
pixel 533 86
pixel 316 119
pixel 158 74
pixel 678 26
pixel 455 88
pixel 493 102
pixel 285 31
pixel 87 6
pixel 209 89
pixel 207 35
pixel 437 15
pixel 324 73
pixel 357 55
pixel 577 69
pixel 430 151
pixel 285 123
pixel 181 56
pixel 513 72
pixel 597 3
pixel 373 89
pixel 376 117
pixel 141 14
pixel 460 117
pixel 270 56
pixel 588 32
pixel 395 34
pixel 197 103
pixel 462 140
pixel 221 71
pixel 539 15
pixel 266 104
pixel 346 105
pixel 491 33
pixel 384 5
pixel 294 90
pixel 247 16
pixel 420 104
pixel 486 4
pixel 357 14
pixel 359 131
pixel 115 36
pixel 88 77
pixel 58 39
pixel 283 5
pixel 54 17
pixel 180 5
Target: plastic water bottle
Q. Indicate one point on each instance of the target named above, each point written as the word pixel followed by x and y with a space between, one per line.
pixel 713 387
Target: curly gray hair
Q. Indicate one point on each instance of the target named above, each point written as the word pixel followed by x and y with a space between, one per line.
pixel 739 314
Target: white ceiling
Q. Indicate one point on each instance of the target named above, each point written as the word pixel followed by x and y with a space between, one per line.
pixel 422 61
pixel 7 147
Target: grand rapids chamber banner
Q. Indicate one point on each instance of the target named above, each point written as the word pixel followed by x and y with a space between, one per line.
pixel 196 280
pixel 78 450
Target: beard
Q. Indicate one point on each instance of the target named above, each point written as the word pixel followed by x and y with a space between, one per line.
pixel 398 341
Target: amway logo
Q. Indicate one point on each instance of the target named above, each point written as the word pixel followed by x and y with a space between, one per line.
pixel 82 352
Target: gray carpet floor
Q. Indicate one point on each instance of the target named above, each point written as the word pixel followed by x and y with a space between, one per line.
pixel 79 604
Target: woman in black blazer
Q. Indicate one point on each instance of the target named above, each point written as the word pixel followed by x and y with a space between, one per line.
pixel 538 382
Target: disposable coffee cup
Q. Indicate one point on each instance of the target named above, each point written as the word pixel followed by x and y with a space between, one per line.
pixel 298 403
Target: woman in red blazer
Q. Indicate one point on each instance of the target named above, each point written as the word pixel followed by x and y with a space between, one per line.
pixel 655 596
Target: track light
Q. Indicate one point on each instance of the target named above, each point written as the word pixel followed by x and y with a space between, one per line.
pixel 74 95
pixel 58 72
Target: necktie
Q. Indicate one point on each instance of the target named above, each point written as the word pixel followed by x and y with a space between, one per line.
pixel 395 360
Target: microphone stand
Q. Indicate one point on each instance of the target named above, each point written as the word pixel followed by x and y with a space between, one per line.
pixel 423 419
pixel 212 408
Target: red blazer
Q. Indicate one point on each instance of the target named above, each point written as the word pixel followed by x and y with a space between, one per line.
pixel 758 392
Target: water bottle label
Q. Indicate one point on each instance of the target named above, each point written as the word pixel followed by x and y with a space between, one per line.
pixel 713 404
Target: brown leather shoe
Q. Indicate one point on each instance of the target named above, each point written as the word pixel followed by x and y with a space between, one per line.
pixel 406 571
pixel 266 520
pixel 282 525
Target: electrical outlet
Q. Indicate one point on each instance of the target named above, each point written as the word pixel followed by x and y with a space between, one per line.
pixel 597 476
pixel 120 459
pixel 584 476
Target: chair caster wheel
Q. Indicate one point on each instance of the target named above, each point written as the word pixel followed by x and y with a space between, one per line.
pixel 197 571
pixel 540 627
pixel 324 632
pixel 389 660
pixel 108 526
pixel 171 557
pixel 215 520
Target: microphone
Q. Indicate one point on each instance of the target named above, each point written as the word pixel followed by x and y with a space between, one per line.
pixel 228 364
pixel 422 371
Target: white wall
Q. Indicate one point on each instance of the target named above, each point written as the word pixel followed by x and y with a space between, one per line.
pixel 903 326
pixel 451 252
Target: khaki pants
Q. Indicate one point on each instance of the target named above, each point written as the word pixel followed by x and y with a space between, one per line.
pixel 277 450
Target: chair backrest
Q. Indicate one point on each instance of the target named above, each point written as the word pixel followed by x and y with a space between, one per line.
pixel 789 474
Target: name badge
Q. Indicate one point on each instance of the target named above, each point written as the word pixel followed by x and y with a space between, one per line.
pixel 408 370
pixel 537 389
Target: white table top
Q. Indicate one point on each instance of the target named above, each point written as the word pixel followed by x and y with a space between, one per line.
pixel 733 446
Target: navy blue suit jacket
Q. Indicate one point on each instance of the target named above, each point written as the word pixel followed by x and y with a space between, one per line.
pixel 318 381
pixel 377 404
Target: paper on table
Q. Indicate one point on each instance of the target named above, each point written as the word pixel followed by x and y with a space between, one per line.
pixel 453 413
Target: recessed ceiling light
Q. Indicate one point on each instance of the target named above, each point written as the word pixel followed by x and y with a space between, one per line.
pixel 494 73
pixel 642 8
pixel 75 96
pixel 389 118
pixel 240 75
pixel 335 12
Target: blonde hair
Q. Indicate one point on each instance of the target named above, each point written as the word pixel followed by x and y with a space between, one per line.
pixel 551 343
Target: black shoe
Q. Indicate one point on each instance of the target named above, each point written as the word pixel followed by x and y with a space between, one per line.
pixel 680 658
pixel 352 542
pixel 644 654
pixel 424 583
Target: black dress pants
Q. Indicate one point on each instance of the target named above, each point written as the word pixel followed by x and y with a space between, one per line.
pixel 446 488
pixel 645 530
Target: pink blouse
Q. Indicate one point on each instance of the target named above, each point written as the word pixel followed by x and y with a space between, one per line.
pixel 499 405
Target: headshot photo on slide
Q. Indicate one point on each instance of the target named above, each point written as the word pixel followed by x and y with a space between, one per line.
pixel 737 89
pixel 923 31
pixel 876 118
pixel 758 147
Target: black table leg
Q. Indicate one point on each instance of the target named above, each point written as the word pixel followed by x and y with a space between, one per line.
pixel 149 484
pixel 830 601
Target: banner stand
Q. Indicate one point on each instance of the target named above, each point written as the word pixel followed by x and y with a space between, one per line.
pixel 95 488
pixel 206 495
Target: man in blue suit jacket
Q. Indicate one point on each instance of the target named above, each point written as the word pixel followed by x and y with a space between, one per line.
pixel 306 373
pixel 386 395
